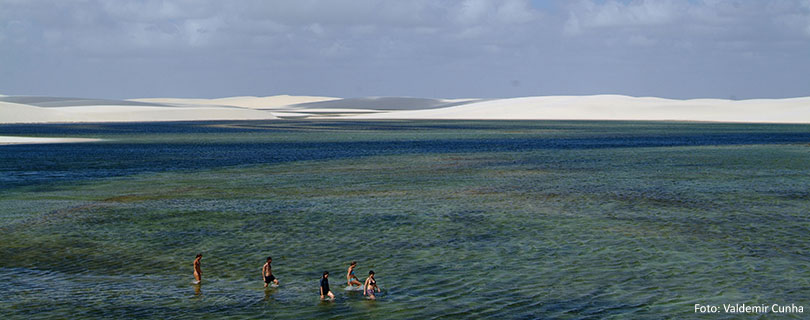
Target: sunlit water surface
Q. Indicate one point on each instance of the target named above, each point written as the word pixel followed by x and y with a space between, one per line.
pixel 459 219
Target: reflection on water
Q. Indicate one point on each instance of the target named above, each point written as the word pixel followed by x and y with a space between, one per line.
pixel 269 293
pixel 459 219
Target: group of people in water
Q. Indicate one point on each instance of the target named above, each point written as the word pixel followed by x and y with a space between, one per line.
pixel 369 287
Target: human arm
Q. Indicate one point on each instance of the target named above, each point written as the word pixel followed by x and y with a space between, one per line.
pixel 365 285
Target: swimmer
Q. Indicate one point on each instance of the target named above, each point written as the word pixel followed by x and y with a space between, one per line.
pixel 267 273
pixel 197 271
pixel 352 279
pixel 370 286
pixel 325 286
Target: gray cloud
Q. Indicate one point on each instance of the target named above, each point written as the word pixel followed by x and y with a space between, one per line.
pixel 472 48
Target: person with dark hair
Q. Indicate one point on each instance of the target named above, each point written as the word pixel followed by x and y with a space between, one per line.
pixel 370 286
pixel 267 273
pixel 197 271
pixel 325 286
pixel 352 279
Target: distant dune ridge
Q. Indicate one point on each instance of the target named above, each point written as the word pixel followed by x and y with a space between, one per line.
pixel 249 102
pixel 34 109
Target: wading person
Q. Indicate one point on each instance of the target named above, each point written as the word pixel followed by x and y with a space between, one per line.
pixel 267 273
pixel 325 286
pixel 352 279
pixel 197 271
pixel 370 286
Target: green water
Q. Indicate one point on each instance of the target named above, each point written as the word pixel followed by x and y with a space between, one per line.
pixel 524 231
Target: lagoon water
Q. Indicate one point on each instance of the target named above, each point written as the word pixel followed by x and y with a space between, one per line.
pixel 459 219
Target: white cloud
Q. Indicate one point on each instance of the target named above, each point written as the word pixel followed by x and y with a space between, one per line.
pixel 473 11
pixel 668 22
pixel 516 11
pixel 316 29
pixel 591 14
pixel 487 12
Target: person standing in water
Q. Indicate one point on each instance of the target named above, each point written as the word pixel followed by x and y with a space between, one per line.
pixel 267 273
pixel 370 286
pixel 325 286
pixel 352 279
pixel 197 271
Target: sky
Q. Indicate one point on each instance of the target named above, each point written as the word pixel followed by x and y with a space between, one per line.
pixel 441 49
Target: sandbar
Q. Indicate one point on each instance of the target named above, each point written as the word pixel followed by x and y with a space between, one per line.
pixel 8 140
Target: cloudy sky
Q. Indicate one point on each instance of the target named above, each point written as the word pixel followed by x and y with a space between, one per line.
pixel 350 48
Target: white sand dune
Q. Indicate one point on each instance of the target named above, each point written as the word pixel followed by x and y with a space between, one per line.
pixel 384 103
pixel 48 102
pixel 17 113
pixel 598 107
pixel 615 107
pixel 271 102
pixel 6 140
pixel 132 113
pixel 24 113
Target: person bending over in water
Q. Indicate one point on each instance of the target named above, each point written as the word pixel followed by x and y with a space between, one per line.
pixel 325 286
pixel 352 279
pixel 267 273
pixel 370 286
pixel 197 271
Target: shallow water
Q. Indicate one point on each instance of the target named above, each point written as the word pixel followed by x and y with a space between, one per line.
pixel 459 219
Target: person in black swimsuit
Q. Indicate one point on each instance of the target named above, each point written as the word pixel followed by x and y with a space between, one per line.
pixel 370 286
pixel 267 273
pixel 325 286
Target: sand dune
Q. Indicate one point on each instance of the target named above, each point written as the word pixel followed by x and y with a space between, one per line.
pixel 598 107
pixel 52 110
pixel 271 102
pixel 614 107
pixel 17 113
pixel 48 102
pixel 384 103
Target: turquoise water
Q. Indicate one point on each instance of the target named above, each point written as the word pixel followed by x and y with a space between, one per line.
pixel 459 219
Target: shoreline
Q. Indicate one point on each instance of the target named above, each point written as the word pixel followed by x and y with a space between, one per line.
pixel 351 119
pixel 15 140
